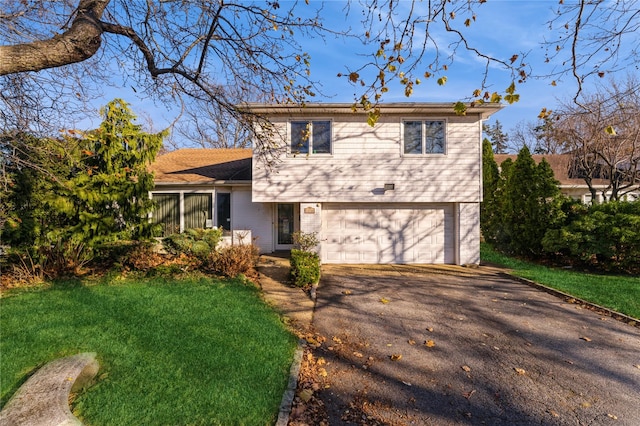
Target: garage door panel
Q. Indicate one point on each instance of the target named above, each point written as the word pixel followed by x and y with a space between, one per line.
pixel 363 233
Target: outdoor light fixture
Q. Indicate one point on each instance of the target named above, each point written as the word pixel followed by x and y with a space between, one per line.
pixel 389 186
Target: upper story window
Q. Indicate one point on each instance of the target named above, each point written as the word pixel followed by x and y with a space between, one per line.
pixel 424 137
pixel 311 137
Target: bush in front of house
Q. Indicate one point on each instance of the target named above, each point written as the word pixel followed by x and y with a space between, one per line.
pixel 232 261
pixel 197 242
pixel 305 267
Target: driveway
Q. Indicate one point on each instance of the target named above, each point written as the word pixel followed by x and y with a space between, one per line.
pixel 448 346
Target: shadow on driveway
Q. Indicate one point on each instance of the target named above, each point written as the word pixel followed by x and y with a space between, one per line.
pixel 449 345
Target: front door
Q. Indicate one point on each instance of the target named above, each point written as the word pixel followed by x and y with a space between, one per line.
pixel 285 221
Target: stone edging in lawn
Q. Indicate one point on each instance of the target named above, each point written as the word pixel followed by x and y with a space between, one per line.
pixel 44 398
pixel 634 322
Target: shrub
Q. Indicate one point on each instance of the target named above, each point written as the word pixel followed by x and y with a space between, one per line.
pixel 198 242
pixel 606 236
pixel 143 258
pixel 305 241
pixel 232 261
pixel 305 268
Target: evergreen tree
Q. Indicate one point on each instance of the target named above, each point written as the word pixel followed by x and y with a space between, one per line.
pixel 498 138
pixel 489 214
pixel 72 194
pixel 532 204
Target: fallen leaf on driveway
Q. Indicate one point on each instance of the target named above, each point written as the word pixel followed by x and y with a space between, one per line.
pixel 468 394
pixel 586 339
pixel 411 342
pixel 466 368
pixel 430 329
pixel 347 292
pixel 637 366
pixel 429 343
pixel 520 371
pixel 358 355
pixel 612 416
pixel 396 357
pixel 383 300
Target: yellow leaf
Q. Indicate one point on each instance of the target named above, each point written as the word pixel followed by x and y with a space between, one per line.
pixel 347 292
pixel 322 372
pixel 442 81
pixel 586 339
pixel 385 301
pixel 429 343
pixel 466 368
pixel 430 329
pixel 305 394
pixel 520 371
pixel 610 130
pixel 396 357
pixel 411 342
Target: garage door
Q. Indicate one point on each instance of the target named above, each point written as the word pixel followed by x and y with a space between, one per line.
pixel 371 233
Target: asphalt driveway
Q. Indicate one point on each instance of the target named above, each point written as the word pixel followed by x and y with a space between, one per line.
pixel 445 346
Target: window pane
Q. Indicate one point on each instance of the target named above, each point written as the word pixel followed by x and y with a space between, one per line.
pixel 321 141
pixel 434 132
pixel 223 210
pixel 413 137
pixel 197 209
pixel 299 137
pixel 167 213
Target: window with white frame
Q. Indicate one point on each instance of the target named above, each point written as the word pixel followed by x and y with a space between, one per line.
pixel 424 137
pixel 311 137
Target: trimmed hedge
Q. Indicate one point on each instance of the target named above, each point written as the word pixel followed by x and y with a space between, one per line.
pixel 305 268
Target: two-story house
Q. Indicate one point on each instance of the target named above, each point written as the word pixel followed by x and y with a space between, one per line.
pixel 407 190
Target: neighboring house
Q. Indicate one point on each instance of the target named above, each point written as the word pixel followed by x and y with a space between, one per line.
pixel 571 186
pixel 407 190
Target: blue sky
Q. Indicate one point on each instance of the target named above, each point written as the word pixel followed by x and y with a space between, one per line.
pixel 502 28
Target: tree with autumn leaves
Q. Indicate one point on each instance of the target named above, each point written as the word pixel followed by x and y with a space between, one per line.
pixel 75 193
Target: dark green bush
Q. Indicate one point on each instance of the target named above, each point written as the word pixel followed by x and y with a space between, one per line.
pixel 197 242
pixel 606 236
pixel 305 268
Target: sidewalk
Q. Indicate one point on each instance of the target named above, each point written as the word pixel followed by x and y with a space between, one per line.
pixel 292 302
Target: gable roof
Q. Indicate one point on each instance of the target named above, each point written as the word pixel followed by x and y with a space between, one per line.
pixel 193 165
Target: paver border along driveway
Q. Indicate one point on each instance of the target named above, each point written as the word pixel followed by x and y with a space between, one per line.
pixel 449 345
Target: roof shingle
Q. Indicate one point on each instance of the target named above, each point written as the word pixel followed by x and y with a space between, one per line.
pixel 193 165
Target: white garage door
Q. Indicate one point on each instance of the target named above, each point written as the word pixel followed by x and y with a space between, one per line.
pixel 371 233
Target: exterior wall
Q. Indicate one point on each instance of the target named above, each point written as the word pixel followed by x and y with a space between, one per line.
pixel 468 233
pixel 365 158
pixel 311 219
pixel 258 217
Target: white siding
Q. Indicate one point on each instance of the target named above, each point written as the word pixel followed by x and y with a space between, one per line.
pixel 258 217
pixel 468 217
pixel 365 158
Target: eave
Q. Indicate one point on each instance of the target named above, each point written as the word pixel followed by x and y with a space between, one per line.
pixel 408 108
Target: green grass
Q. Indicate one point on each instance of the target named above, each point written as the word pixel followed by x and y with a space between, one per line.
pixel 195 351
pixel 617 292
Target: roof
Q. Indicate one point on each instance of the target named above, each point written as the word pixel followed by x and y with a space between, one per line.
pixel 193 165
pixel 446 108
pixel 560 164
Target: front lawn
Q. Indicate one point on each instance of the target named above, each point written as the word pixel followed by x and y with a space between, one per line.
pixel 618 292
pixel 191 351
